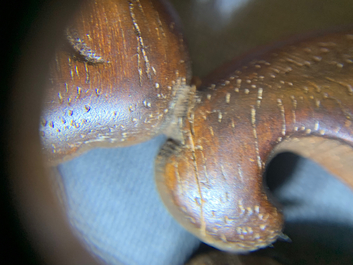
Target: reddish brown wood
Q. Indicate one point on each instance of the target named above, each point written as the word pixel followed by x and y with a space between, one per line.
pixel 122 78
pixel 213 181
pixel 116 79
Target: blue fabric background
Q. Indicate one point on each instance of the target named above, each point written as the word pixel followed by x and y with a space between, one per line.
pixel 111 196
pixel 114 205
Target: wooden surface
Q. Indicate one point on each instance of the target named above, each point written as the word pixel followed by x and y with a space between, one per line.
pixel 212 182
pixel 296 98
pixel 37 207
pixel 116 80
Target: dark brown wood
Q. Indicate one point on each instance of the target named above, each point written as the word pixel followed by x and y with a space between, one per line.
pixel 116 80
pixel 296 98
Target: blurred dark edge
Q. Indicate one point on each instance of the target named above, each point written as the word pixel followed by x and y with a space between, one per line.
pixel 21 20
pixel 21 23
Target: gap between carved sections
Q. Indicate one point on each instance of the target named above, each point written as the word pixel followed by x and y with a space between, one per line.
pixel 178 109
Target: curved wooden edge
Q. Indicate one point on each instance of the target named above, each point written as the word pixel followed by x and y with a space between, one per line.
pixel 246 221
pixel 178 108
pixel 119 79
pixel 213 181
pixel 335 155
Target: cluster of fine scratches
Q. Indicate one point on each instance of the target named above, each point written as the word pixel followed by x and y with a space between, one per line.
pixel 282 87
pixel 297 91
pixel 248 234
pixel 82 48
pixel 125 83
pixel 200 202
pixel 141 48
pixel 76 119
pixel 253 123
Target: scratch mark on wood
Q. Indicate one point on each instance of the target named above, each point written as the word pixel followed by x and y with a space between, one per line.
pixel 281 107
pixel 253 123
pixel 140 41
pixel 344 84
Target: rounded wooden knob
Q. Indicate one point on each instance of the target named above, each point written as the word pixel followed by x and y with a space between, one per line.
pixel 121 78
pixel 118 79
pixel 294 98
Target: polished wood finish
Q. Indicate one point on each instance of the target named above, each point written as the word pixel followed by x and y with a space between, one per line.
pixel 116 80
pixel 212 182
pixel 123 77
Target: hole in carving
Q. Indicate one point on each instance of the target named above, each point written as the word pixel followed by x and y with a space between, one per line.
pixel 317 209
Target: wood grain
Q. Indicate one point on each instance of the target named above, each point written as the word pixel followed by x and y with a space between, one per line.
pixel 117 79
pixel 212 182
pixel 122 77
